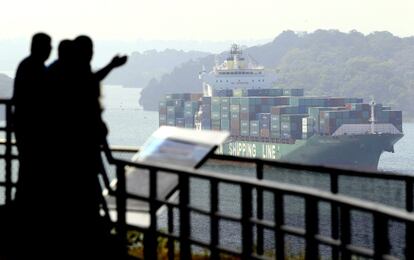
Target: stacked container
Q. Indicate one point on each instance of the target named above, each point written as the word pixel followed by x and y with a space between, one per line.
pixel 264 124
pixel 308 127
pixel 275 113
pixel 275 126
pixel 291 126
pixel 254 128
pixel 206 113
pixel 235 120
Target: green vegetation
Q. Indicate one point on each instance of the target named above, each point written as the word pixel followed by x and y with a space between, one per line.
pixel 325 62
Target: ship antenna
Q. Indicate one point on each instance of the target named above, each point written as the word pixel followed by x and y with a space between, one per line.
pixel 372 118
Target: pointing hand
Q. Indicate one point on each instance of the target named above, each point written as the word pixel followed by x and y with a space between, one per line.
pixel 118 61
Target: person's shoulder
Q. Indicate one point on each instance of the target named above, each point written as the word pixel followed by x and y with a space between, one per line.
pixel 23 66
pixel 25 62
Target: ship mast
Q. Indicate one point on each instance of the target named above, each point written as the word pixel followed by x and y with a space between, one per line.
pixel 372 118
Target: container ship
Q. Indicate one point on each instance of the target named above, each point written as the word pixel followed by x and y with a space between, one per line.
pixel 274 123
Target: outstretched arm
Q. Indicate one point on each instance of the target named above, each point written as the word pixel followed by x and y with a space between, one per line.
pixel 116 61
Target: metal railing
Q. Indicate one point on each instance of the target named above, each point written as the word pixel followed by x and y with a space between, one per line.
pixel 340 243
pixel 252 221
pixel 7 155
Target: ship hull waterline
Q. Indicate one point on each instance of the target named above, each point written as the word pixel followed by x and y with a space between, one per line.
pixel 360 152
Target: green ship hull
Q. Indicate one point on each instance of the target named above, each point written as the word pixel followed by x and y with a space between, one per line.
pixel 346 151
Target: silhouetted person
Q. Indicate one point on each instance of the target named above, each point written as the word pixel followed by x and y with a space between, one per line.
pixel 29 94
pixel 76 133
pixel 89 133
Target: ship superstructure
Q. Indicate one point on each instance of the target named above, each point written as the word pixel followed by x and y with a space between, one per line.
pixel 269 122
pixel 236 73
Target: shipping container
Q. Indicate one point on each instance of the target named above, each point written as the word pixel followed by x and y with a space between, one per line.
pixel 254 128
pixel 244 127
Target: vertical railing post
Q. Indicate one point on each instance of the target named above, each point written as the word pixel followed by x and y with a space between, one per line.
pixel 260 235
pixel 185 231
pixel 312 224
pixel 334 214
pixel 246 211
pixel 8 154
pixel 409 238
pixel 214 230
pixel 345 232
pixel 121 205
pixel 170 243
pixel 279 222
pixel 409 194
pixel 409 232
pixel 381 242
pixel 150 238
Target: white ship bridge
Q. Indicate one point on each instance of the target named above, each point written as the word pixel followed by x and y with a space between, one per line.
pixel 236 72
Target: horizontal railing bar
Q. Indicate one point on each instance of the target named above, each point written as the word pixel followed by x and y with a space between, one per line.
pixel 229 251
pixel 293 230
pixel 137 197
pixel 328 241
pixel 264 223
pixel 361 251
pixel 287 189
pixel 168 235
pixel 305 167
pixel 124 148
pixel 225 216
pixel 199 211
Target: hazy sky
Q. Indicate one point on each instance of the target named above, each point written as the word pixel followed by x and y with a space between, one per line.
pixel 123 26
pixel 214 20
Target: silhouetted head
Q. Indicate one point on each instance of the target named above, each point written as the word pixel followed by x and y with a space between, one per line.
pixel 65 50
pixel 84 48
pixel 41 46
